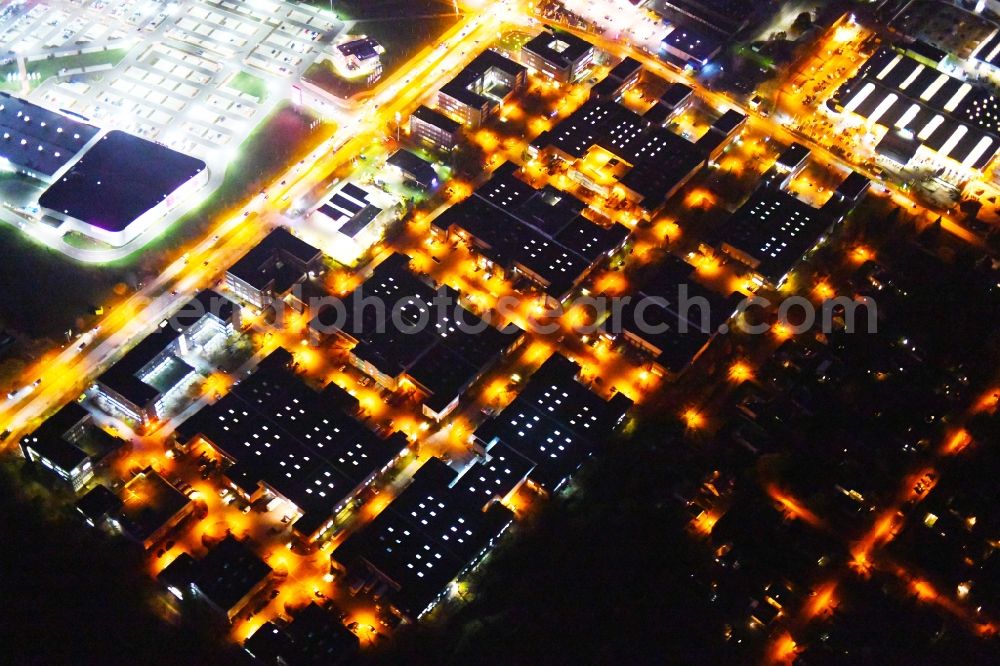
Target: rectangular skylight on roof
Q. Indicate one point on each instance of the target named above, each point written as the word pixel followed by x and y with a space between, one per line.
pixel 953 140
pixel 883 106
pixel 956 99
pixel 933 88
pixel 930 127
pixel 888 68
pixel 913 75
pixel 977 152
pixel 862 95
pixel 909 115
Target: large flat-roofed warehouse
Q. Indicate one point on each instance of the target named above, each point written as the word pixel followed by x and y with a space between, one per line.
pixel 673 319
pixel 442 358
pixel 288 441
pixel 700 28
pixel 151 507
pixel 225 580
pixel 432 533
pixel 559 55
pixel 725 16
pixel 315 636
pixel 946 115
pixel 556 423
pixel 354 218
pixel 772 232
pixel 122 186
pixel 39 142
pixel 479 89
pixel 542 235
pixel 612 150
pixel 692 46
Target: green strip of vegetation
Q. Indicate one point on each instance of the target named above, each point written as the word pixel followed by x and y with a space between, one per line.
pixel 249 84
pixel 41 70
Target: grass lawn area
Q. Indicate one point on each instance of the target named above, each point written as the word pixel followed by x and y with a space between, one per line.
pixel 403 27
pixel 280 139
pixel 322 75
pixel 78 240
pixel 49 67
pixel 249 84
pixel 44 292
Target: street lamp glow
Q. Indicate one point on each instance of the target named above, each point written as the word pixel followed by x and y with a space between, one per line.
pixel 693 419
pixel 740 371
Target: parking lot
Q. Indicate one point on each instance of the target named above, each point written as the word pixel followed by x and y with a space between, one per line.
pixel 183 79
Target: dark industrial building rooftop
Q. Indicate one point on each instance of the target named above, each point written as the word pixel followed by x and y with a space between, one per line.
pixel 543 230
pixel 660 160
pixel 363 48
pixel 229 572
pixel 685 314
pixel 425 538
pixel 314 637
pixel 774 230
pixel 621 75
pixel 946 114
pixel 124 376
pixel 148 503
pixel 269 260
pixel 415 167
pixel 727 16
pixel 556 422
pixel 34 138
pixel 437 119
pixel 97 503
pixel 304 444
pixel 698 42
pixel 676 94
pixel 560 48
pixel 443 357
pixel 118 179
pixel 50 441
pixel 224 577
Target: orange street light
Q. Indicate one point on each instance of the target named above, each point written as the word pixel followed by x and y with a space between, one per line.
pixel 823 600
pixel 707 265
pixel 781 331
pixel 667 229
pixel 989 401
pixel 704 522
pixel 823 290
pixel 784 650
pixel 957 442
pixel 861 254
pixel 740 371
pixel 923 590
pixel 693 419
